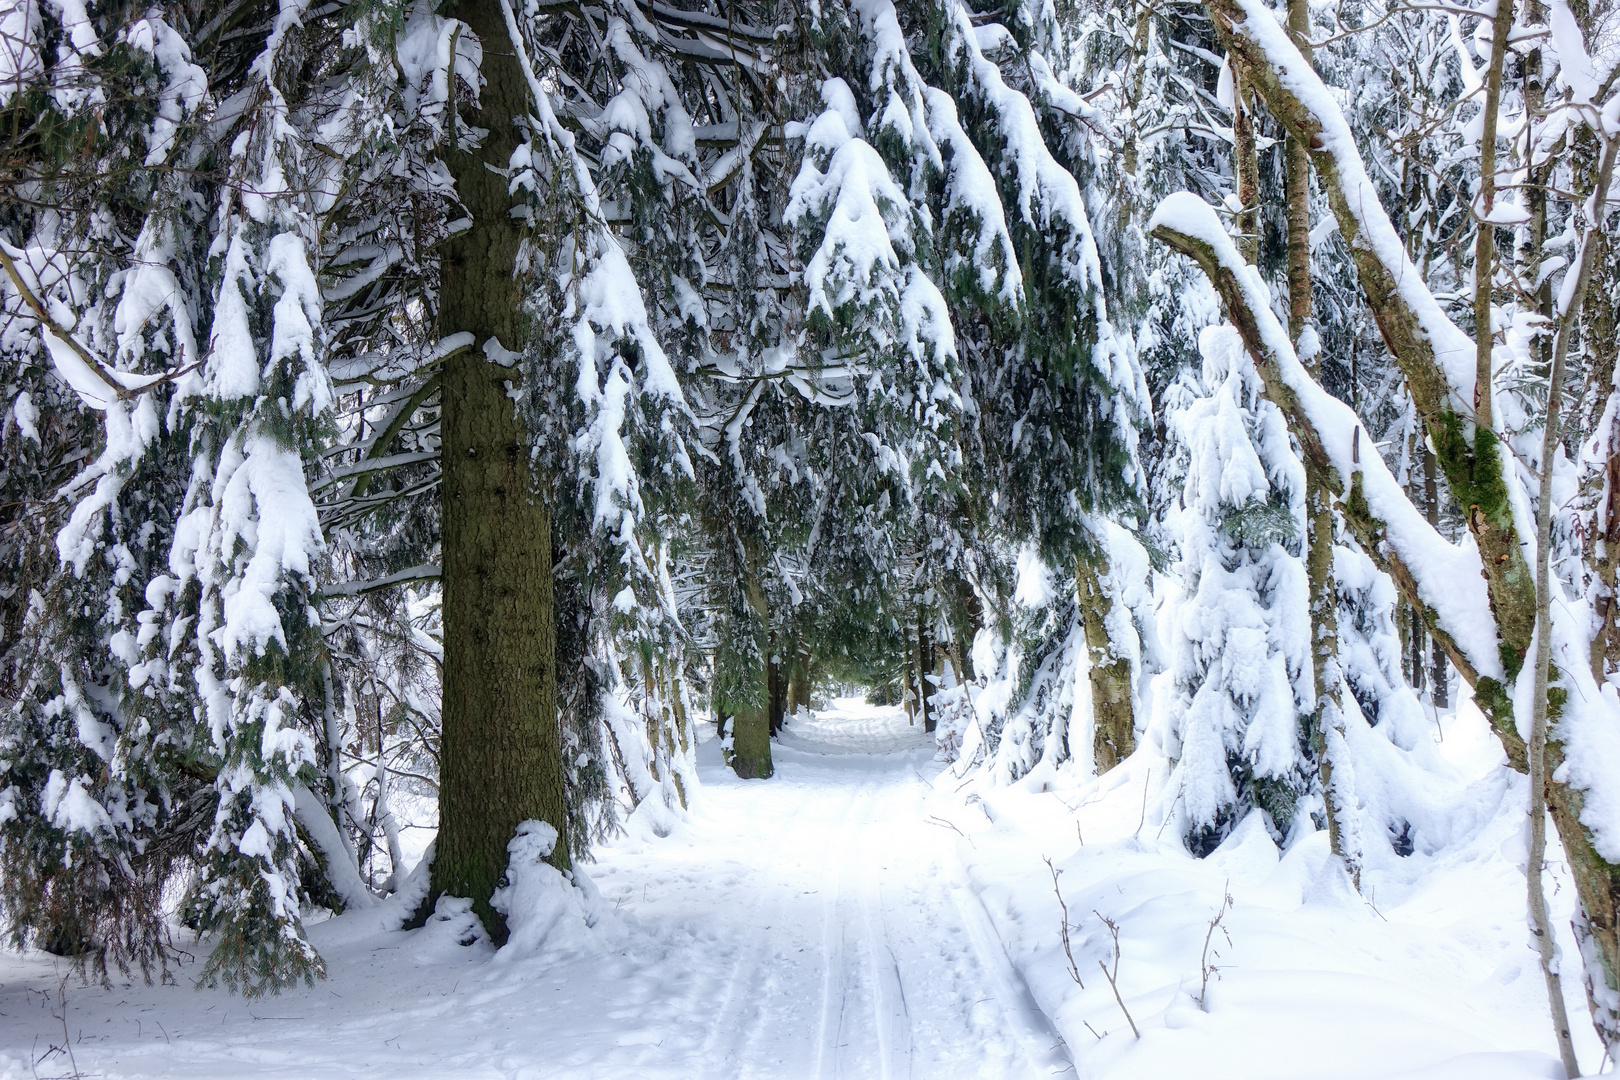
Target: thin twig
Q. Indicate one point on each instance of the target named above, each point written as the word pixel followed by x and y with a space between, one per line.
pixel 1113 928
pixel 1143 818
pixel 1204 966
pixel 1074 971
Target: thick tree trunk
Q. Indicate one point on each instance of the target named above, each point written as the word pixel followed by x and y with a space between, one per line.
pixel 1114 717
pixel 500 761
pixel 751 743
pixel 753 693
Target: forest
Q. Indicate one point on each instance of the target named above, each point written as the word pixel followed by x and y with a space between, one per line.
pixel 594 496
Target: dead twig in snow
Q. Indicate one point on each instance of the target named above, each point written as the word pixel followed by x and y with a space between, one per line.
pixel 67 1040
pixel 1204 966
pixel 1113 982
pixel 1068 951
pixel 1143 819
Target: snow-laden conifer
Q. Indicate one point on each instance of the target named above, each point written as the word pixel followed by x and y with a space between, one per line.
pixel 1242 673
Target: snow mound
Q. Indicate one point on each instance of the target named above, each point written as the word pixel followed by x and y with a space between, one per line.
pixel 548 912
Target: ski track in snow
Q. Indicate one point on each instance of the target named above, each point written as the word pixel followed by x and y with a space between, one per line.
pixel 816 925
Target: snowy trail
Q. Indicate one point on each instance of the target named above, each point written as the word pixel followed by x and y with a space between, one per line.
pixel 813 926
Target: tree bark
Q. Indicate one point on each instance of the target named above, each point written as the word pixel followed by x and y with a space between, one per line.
pixel 776 688
pixel 1485 238
pixel 1541 931
pixel 1439 679
pixel 1297 181
pixel 751 711
pixel 751 743
pixel 1113 713
pixel 1327 720
pixel 799 681
pixel 500 754
pixel 1245 172
pixel 925 668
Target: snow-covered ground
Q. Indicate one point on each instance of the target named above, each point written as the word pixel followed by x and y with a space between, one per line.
pixel 815 925
pixel 863 914
pixel 1428 974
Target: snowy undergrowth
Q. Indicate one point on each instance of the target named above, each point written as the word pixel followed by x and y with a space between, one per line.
pixel 1427 974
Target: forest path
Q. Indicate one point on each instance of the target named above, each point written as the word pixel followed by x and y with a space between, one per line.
pixel 813 926
pixel 852 946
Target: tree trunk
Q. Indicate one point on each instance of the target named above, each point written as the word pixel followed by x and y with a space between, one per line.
pixel 1327 722
pixel 1485 237
pixel 1246 171
pixel 799 682
pixel 1297 181
pixel 776 689
pixel 751 743
pixel 1439 679
pixel 753 692
pixel 925 668
pixel 1114 718
pixel 500 761
pixel 1541 930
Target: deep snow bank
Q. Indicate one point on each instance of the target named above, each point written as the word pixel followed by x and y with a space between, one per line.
pixel 1428 974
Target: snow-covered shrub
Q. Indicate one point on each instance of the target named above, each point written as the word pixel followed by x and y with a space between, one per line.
pixel 1239 639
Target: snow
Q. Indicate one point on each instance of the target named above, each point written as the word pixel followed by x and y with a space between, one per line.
pixel 1448 575
pixel 19 47
pixel 187 84
pixel 1429 977
pixel 70 807
pixel 262 500
pixel 817 924
pixel 1575 66
pixel 26 414
pixel 864 914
